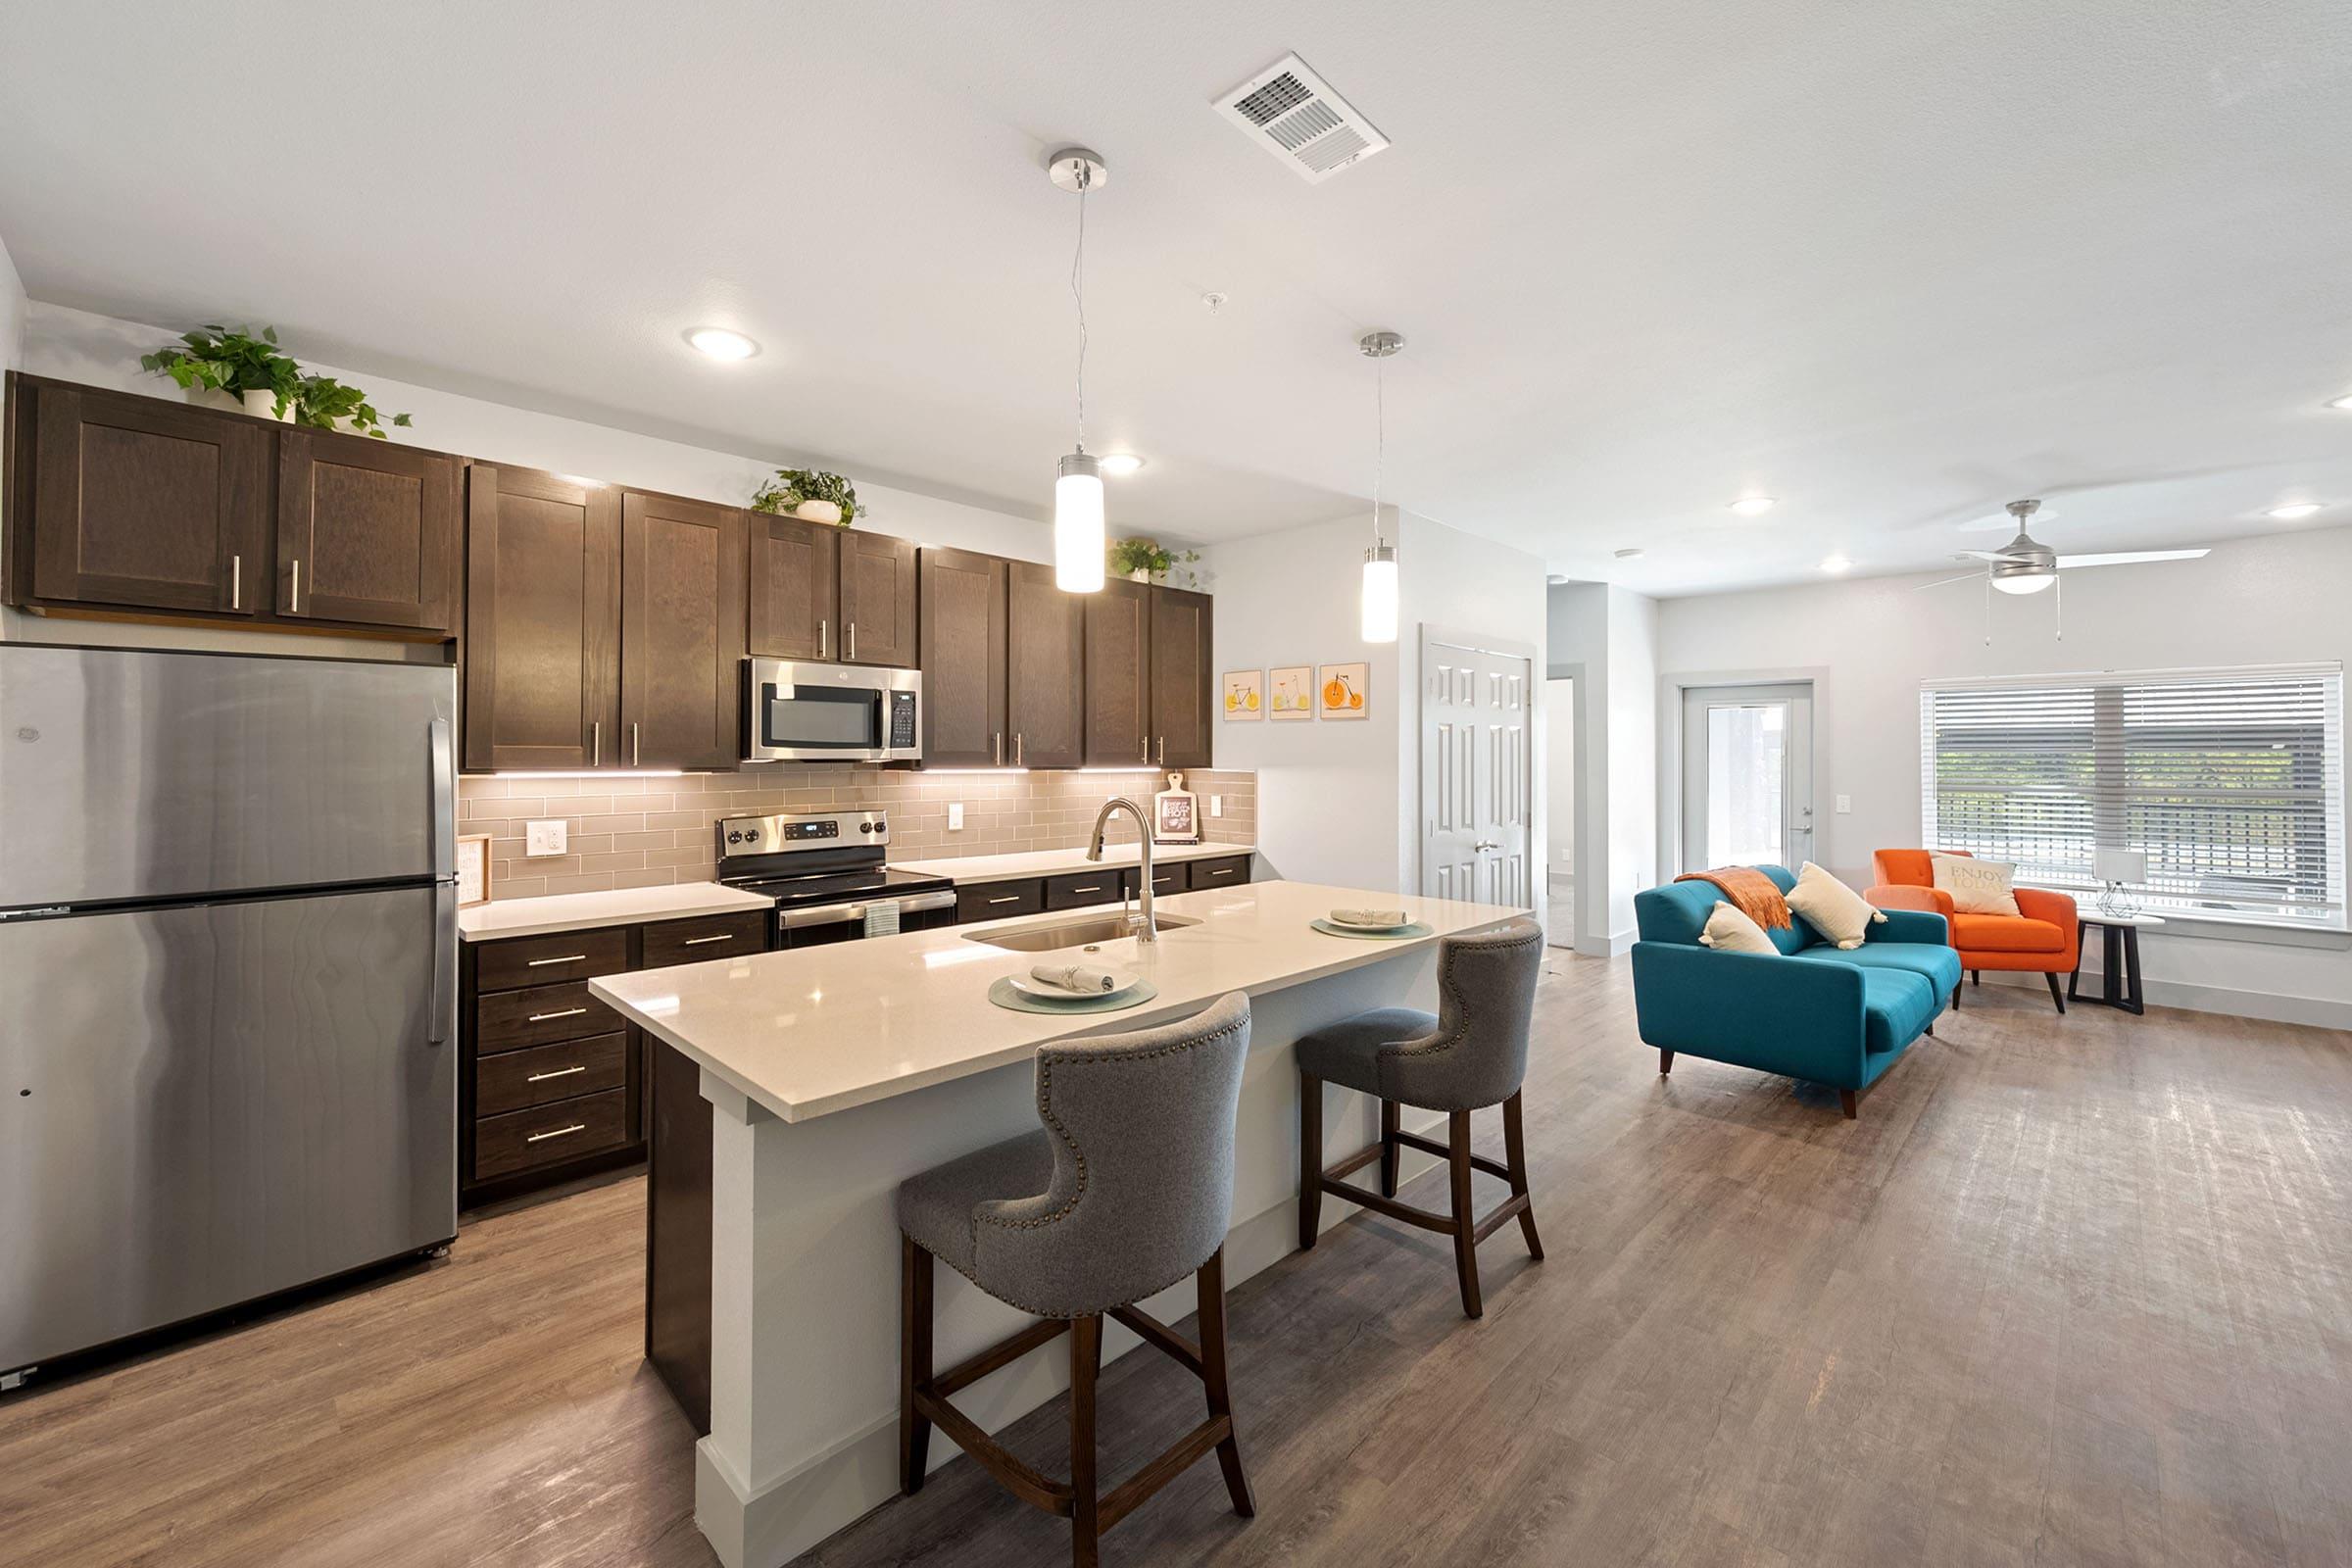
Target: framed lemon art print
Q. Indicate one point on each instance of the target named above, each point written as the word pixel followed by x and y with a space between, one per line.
pixel 1292 693
pixel 1244 694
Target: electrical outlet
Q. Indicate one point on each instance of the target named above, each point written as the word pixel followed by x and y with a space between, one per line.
pixel 1216 806
pixel 1846 803
pixel 955 817
pixel 546 838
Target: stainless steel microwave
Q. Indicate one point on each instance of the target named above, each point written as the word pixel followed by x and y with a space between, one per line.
pixel 804 713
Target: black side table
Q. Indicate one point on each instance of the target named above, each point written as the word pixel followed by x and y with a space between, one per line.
pixel 2119 959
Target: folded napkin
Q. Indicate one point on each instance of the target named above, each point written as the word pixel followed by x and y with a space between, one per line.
pixel 1368 916
pixel 1079 979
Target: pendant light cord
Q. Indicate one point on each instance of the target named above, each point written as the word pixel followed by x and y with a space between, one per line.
pixel 1380 436
pixel 1078 293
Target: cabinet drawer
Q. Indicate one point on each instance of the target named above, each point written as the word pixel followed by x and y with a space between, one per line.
pixel 516 1080
pixel 539 1016
pixel 1220 873
pixel 705 937
pixel 1082 888
pixel 1165 879
pixel 544 960
pixel 995 900
pixel 525 1139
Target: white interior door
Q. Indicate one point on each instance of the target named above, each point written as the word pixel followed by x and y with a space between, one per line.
pixel 1748 775
pixel 1477 828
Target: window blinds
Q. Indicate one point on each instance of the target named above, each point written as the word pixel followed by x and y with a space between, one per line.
pixel 2230 781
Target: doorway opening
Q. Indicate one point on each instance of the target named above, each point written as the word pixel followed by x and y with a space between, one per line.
pixel 1559 810
pixel 1748 775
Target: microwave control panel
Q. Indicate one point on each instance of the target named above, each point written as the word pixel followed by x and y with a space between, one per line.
pixel 901 722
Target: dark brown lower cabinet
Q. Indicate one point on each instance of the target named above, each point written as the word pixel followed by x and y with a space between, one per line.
pixel 552 1084
pixel 677 1233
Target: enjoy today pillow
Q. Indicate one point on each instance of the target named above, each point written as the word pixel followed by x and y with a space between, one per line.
pixel 1730 931
pixel 1834 910
pixel 1977 887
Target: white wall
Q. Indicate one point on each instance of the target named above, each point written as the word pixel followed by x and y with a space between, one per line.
pixel 1559 775
pixel 1608 636
pixel 2277 599
pixel 12 309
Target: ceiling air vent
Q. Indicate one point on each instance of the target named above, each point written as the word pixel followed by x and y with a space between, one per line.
pixel 1293 113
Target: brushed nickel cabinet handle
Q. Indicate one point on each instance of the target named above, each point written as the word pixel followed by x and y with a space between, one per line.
pixel 996 748
pixel 1009 897
pixel 237 582
pixel 596 743
pixel 296 607
pixel 822 629
pixel 1147 756
pixel 1163 750
pixel 559 1132
pixel 853 649
pixel 1018 750
pixel 567 1013
pixel 632 743
pixel 568 957
pixel 1090 888
pixel 559 1072
pixel 695 942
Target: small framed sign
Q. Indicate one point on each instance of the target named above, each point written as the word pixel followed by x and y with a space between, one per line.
pixel 473 869
pixel 1175 813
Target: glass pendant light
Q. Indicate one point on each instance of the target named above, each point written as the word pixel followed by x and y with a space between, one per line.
pixel 1079 536
pixel 1380 561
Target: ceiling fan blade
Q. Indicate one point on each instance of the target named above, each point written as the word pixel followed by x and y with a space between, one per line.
pixel 1946 582
pixel 2126 558
pixel 1982 555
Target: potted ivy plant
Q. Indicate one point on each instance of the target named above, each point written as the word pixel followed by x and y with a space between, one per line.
pixel 267 381
pixel 1149 561
pixel 810 494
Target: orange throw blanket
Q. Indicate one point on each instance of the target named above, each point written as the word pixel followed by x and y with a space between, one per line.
pixel 1750 891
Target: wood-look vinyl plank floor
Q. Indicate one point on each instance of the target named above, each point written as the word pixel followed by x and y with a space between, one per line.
pixel 2071 1290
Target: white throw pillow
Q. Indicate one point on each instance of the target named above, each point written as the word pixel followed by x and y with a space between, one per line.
pixel 1730 931
pixel 1977 887
pixel 1837 911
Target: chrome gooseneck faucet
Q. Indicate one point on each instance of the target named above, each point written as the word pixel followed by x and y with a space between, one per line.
pixel 1147 930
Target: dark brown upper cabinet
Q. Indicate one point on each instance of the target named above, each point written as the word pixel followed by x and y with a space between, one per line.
pixel 140 503
pixel 1183 696
pixel 367 531
pixel 683 569
pixel 963 639
pixel 1119 675
pixel 1045 708
pixel 796 588
pixel 877 600
pixel 542 651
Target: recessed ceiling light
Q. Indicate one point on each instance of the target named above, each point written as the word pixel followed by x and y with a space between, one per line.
pixel 721 344
pixel 2294 511
pixel 1837 563
pixel 2345 403
pixel 1754 506
pixel 1121 461
pixel 1634 554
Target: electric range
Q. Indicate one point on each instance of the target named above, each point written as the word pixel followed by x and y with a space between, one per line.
pixel 827 874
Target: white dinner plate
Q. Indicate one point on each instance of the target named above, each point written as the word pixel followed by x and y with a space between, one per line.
pixel 1028 985
pixel 1368 925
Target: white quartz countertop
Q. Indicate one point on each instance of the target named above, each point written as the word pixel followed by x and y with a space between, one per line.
pixel 807 1032
pixel 1052 863
pixel 579 912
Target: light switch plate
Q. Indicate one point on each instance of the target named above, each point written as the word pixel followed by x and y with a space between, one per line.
pixel 1216 806
pixel 1846 803
pixel 955 817
pixel 546 838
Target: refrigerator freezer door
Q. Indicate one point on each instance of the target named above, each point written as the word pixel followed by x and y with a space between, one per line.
pixel 131 775
pixel 204 1104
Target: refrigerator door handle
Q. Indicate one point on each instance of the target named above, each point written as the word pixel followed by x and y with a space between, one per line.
pixel 445 961
pixel 444 826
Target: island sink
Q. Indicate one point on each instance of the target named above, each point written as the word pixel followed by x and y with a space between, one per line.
pixel 1052 935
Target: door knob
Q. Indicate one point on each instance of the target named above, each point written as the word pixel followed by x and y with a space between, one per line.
pixel 1484 844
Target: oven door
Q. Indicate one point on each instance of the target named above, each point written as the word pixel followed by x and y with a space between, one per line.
pixel 805 713
pixel 815 925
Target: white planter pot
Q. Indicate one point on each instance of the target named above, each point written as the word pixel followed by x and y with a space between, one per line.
pixel 817 512
pixel 265 404
pixel 1140 574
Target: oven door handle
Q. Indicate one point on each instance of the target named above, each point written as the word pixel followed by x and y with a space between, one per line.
pixel 917 903
pixel 821 915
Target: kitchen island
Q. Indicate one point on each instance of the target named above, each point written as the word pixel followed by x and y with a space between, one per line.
pixel 826 1076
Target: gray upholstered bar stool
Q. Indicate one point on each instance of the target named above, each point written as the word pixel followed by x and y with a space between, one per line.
pixel 1472 1054
pixel 1126 1190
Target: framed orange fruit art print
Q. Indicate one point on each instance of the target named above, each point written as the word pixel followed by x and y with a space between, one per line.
pixel 1340 690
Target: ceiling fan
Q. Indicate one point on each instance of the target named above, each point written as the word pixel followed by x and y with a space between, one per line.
pixel 2026 565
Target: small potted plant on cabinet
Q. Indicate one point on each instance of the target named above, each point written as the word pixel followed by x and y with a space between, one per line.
pixel 810 494
pixel 265 381
pixel 1149 561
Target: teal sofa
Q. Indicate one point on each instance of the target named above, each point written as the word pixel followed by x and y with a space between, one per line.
pixel 1813 1012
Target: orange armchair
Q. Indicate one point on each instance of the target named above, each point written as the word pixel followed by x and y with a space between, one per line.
pixel 2042 938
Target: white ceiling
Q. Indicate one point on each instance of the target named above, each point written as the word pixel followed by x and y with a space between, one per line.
pixel 1894 264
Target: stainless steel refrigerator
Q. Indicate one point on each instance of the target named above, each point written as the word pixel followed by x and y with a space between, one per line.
pixel 227 982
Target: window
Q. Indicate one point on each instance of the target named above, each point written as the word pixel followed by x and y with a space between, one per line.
pixel 2232 781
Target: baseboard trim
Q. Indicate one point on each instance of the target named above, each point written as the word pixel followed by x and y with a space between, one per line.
pixel 1614 944
pixel 2319 1011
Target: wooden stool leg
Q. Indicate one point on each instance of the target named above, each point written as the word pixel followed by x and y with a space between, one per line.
pixel 1465 1249
pixel 1311 1159
pixel 1390 1118
pixel 1210 1282
pixel 1085 1360
pixel 1514 1150
pixel 914 1362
